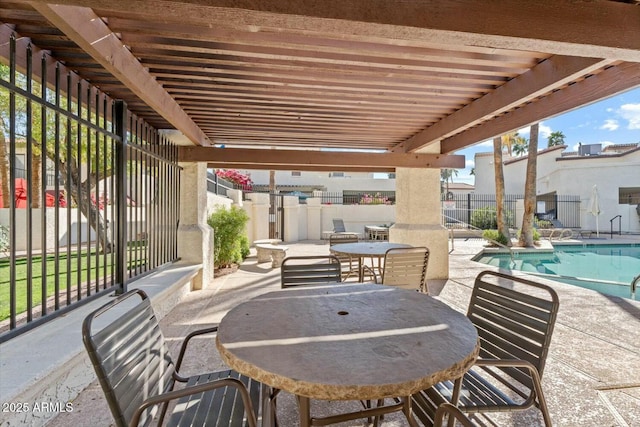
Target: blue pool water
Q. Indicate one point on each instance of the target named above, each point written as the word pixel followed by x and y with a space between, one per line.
pixel 604 268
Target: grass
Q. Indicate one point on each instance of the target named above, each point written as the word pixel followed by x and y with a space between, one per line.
pixel 78 263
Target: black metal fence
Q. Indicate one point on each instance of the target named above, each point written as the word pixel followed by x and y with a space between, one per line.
pixel 110 216
pixel 351 197
pixel 218 185
pixel 463 210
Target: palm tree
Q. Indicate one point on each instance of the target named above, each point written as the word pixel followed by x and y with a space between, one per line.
pixel 503 227
pixel 447 175
pixel 526 234
pixel 507 141
pixel 555 138
pixel 520 145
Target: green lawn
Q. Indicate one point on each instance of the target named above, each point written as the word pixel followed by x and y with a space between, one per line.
pixel 78 263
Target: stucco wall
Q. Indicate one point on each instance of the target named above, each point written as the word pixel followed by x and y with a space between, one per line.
pixel 573 176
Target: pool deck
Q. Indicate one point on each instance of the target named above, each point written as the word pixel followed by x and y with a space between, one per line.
pixel 592 376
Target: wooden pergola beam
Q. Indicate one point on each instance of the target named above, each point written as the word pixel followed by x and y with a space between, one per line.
pixel 607 83
pixel 89 32
pixel 587 28
pixel 551 74
pixel 247 158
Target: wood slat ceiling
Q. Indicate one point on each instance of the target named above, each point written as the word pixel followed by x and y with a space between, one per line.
pixel 281 84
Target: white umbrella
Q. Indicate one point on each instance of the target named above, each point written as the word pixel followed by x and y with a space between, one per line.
pixel 594 206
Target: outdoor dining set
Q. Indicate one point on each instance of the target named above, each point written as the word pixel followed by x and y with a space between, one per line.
pixel 357 324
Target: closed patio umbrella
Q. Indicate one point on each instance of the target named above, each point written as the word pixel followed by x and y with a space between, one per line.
pixel 594 207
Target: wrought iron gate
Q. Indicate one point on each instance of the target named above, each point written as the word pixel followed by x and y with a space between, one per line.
pixel 276 216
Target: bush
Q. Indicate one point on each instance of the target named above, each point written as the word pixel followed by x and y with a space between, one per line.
pixel 4 238
pixel 536 235
pixel 542 223
pixel 487 218
pixel 375 199
pixel 495 236
pixel 230 244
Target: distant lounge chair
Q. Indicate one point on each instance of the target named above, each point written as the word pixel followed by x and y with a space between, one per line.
pixel 559 231
pixel 338 226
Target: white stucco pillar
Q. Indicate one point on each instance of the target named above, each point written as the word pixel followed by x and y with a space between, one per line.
pixel 260 216
pixel 247 206
pixel 291 208
pixel 195 237
pixel 418 217
pixel 314 218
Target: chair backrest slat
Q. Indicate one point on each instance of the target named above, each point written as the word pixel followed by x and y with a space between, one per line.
pixel 338 225
pixel 406 267
pixel 129 354
pixel 309 269
pixel 335 239
pixel 514 318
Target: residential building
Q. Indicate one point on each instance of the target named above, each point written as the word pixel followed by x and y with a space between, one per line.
pixel 614 170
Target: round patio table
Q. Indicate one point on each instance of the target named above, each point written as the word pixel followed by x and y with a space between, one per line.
pixel 366 250
pixel 347 342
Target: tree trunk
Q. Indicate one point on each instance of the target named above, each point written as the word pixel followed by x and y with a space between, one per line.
pixel 272 207
pixel 526 236
pixel 35 184
pixel 4 171
pixel 503 227
pixel 81 193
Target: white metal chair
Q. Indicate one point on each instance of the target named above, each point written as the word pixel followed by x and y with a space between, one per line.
pixel 405 267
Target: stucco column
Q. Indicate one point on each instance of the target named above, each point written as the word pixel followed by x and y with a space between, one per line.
pixel 195 237
pixel 291 210
pixel 260 215
pixel 314 218
pixel 418 213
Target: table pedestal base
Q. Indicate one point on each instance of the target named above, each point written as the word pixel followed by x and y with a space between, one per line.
pixel 304 404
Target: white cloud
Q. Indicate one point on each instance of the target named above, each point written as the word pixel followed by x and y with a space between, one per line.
pixel 487 143
pixel 631 112
pixel 543 131
pixel 469 163
pixel 610 124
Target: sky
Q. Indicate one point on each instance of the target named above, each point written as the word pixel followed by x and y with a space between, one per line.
pixel 615 120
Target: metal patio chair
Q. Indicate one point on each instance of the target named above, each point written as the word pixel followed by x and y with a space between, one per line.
pixel 515 319
pixel 338 226
pixel 348 264
pixel 137 374
pixel 448 412
pixel 405 267
pixel 309 270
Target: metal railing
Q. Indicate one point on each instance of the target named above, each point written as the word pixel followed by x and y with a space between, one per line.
pixel 469 208
pixel 109 218
pixel 353 197
pixel 619 218
pixel 476 232
pixel 634 286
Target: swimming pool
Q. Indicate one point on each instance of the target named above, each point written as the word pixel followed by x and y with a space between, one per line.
pixel 604 268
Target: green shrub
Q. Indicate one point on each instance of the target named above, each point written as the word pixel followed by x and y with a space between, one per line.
pixel 244 247
pixel 495 236
pixel 536 235
pixel 542 223
pixel 487 218
pixel 228 228
pixel 4 238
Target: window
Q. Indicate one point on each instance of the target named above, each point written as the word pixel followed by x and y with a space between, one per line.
pixel 629 195
pixel 296 173
pixel 337 174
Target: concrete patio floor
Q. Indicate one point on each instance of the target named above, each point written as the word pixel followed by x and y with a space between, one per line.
pixel 592 376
